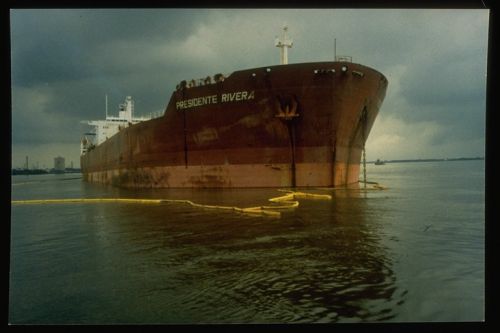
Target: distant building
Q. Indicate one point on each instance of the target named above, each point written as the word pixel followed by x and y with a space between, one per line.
pixel 59 164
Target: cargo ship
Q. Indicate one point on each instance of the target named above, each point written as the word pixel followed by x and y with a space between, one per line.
pixel 287 125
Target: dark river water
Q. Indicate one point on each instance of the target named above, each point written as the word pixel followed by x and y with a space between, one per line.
pixel 413 252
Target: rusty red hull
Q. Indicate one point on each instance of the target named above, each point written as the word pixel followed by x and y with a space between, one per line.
pixel 279 126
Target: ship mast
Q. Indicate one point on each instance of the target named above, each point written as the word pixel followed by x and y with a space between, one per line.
pixel 284 43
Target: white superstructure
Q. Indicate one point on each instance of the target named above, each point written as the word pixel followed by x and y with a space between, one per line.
pixel 105 129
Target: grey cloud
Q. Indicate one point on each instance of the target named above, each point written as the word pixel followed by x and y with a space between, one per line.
pixel 448 80
pixel 59 45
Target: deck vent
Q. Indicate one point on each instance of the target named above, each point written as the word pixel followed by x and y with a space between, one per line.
pixel 324 71
pixel 360 74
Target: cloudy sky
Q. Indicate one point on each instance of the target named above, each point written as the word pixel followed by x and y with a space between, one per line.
pixel 65 61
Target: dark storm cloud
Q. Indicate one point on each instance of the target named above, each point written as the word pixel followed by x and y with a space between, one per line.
pixel 64 61
pixel 57 45
pixel 456 77
pixel 449 64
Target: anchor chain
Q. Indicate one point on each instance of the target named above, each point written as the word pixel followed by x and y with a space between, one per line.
pixel 287 112
pixel 364 120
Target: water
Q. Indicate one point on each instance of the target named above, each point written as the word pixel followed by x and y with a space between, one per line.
pixel 414 252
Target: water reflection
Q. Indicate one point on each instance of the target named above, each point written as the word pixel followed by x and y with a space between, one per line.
pixel 323 262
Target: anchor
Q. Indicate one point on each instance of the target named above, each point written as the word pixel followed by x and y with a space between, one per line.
pixel 287 110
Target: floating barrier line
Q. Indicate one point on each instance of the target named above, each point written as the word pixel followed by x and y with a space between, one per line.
pixel 288 201
pixel 86 200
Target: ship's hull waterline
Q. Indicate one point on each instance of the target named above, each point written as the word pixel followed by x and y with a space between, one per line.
pixel 281 126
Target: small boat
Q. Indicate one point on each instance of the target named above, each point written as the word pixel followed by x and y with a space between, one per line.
pixel 379 162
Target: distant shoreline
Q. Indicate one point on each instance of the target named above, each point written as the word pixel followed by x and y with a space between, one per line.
pixel 430 160
pixel 16 172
